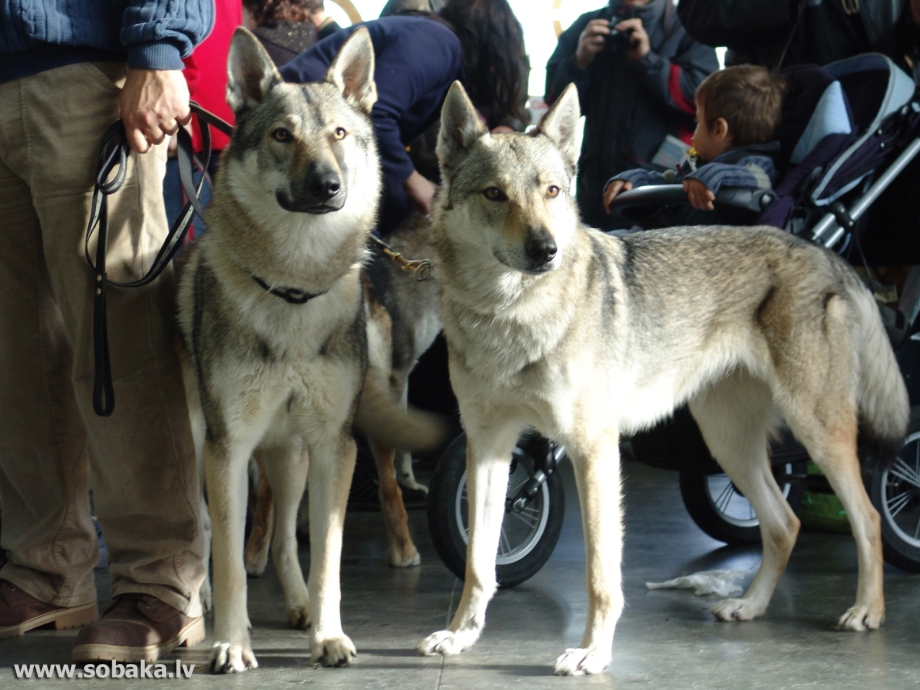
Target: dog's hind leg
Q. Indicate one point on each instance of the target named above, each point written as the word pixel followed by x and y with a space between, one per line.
pixel 488 457
pixel 401 552
pixel 286 471
pixel 831 443
pixel 263 522
pixel 225 474
pixel 734 417
pixel 332 464
pixel 597 473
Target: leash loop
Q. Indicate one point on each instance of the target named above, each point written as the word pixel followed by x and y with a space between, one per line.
pixel 113 157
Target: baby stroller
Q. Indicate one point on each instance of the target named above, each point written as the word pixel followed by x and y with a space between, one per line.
pixel 849 129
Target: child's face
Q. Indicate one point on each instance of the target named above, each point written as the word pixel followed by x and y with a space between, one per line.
pixel 709 142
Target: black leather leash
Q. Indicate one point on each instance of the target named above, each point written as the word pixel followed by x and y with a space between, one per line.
pixel 113 159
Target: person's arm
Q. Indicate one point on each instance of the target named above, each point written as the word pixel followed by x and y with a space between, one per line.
pixel 737 23
pixel 563 66
pixel 627 180
pixel 751 172
pixel 158 34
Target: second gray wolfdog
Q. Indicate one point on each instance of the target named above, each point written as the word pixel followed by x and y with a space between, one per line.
pixel 585 337
pixel 281 350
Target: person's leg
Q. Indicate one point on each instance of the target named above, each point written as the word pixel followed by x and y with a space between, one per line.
pixel 145 480
pixel 48 535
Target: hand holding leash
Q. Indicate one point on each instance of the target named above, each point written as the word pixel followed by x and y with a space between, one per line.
pixel 154 103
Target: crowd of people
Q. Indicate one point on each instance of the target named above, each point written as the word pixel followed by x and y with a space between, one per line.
pixel 649 84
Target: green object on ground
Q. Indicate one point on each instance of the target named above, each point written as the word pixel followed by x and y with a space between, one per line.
pixel 823 512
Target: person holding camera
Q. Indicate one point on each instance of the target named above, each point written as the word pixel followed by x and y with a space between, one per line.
pixel 636 71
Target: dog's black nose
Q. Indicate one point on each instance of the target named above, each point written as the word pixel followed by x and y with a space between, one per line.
pixel 541 249
pixel 325 186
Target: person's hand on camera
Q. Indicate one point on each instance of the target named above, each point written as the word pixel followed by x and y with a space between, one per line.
pixel 700 196
pixel 593 40
pixel 614 188
pixel 639 44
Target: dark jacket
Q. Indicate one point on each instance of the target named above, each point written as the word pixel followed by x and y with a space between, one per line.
pixel 416 60
pixel 629 107
pixel 819 32
pixel 149 34
pixel 284 40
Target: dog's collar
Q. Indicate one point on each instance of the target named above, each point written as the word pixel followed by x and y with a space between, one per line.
pixel 288 294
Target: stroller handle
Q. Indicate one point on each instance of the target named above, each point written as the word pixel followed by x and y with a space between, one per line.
pixel 673 195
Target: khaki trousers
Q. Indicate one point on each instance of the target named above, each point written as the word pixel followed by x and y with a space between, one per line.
pixel 140 461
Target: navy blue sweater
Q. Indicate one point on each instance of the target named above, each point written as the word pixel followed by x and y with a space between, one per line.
pixel 36 35
pixel 416 60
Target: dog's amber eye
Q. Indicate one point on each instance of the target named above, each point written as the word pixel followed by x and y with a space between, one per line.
pixel 494 194
pixel 340 133
pixel 552 192
pixel 282 135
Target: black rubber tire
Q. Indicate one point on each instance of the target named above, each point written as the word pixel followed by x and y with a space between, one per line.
pixel 448 534
pixel 899 547
pixel 694 490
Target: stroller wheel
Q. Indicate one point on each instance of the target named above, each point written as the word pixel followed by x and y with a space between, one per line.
pixel 722 511
pixel 895 493
pixel 528 535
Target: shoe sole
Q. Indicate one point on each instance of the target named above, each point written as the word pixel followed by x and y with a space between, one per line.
pixel 72 617
pixel 193 633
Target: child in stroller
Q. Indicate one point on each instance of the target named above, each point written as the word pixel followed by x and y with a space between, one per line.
pixel 738 115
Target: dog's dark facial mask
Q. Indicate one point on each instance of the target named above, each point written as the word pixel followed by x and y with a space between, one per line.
pixel 301 132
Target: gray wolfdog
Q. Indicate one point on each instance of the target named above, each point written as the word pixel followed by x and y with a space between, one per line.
pixel 585 337
pixel 281 351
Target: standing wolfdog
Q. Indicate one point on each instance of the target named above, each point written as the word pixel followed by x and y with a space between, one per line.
pixel 276 332
pixel 586 337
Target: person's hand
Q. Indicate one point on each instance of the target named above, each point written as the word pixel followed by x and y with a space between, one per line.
pixel 502 129
pixel 593 40
pixel 614 188
pixel 701 197
pixel 421 190
pixel 639 44
pixel 915 10
pixel 154 103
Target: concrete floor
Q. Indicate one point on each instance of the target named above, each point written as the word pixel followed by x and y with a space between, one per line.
pixel 665 639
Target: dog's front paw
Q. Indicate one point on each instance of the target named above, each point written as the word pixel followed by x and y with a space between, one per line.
pixel 332 651
pixel 860 618
pixel 232 658
pixel 736 610
pixel 403 558
pixel 580 662
pixel 204 594
pixel 447 643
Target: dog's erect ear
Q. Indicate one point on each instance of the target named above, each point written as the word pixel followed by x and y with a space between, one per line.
pixel 352 70
pixel 250 71
pixel 461 126
pixel 560 124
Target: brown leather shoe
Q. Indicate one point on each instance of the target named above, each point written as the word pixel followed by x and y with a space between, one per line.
pixel 20 613
pixel 137 627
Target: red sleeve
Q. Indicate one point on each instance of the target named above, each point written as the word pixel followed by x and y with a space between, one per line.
pixel 677 95
pixel 206 70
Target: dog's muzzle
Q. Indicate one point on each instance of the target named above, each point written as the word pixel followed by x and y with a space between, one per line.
pixel 322 191
pixel 540 249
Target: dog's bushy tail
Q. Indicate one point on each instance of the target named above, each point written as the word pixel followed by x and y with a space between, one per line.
pixel 381 417
pixel 884 409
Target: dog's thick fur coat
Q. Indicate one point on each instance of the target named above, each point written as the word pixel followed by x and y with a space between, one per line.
pixel 285 373
pixel 587 337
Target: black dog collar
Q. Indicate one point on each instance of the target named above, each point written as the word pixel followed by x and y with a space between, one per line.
pixel 290 295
